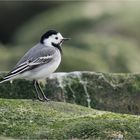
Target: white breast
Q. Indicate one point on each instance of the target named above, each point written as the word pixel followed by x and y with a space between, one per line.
pixel 45 70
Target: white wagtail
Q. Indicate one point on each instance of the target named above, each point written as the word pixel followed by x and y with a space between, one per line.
pixel 39 62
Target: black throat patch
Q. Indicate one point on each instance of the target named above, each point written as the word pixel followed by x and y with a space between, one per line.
pixel 57 46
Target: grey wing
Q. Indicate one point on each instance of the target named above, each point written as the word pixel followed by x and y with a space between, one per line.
pixel 36 56
pixel 34 53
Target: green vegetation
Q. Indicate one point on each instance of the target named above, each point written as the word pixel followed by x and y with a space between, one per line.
pixel 104 38
pixel 25 119
pixel 111 92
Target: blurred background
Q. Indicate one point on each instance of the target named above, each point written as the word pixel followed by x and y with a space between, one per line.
pixel 105 34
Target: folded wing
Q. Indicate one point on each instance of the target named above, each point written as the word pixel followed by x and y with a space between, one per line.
pixel 29 65
pixel 36 56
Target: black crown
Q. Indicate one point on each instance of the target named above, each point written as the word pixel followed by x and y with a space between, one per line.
pixel 47 34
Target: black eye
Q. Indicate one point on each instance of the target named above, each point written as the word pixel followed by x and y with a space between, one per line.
pixel 56 37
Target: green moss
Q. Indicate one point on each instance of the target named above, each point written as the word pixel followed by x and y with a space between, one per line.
pixel 112 92
pixel 17 89
pixel 36 120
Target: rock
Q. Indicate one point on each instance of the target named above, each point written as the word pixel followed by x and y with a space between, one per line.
pixel 112 92
pixel 26 119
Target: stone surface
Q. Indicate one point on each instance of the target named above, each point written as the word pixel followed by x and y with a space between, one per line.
pixel 113 92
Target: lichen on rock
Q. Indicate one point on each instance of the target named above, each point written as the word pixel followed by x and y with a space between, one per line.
pixel 104 91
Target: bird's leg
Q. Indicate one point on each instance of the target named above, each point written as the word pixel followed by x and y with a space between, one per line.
pixel 37 92
pixel 43 95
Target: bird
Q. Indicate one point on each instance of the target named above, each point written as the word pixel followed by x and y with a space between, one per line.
pixel 39 62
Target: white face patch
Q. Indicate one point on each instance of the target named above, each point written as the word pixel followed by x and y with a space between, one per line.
pixel 56 39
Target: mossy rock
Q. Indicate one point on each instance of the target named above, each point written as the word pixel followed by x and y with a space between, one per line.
pixel 113 92
pixel 26 119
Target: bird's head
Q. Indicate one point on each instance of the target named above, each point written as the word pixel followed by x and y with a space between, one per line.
pixel 52 38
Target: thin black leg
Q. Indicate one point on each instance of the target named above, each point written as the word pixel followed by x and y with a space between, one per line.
pixel 43 95
pixel 37 92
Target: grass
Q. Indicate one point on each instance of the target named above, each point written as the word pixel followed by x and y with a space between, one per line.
pixel 25 119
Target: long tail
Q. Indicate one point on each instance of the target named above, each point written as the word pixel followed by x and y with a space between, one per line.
pixel 4 80
pixel 16 71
